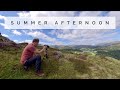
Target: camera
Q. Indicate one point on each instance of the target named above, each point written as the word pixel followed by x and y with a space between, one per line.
pixel 46 46
pixel 46 52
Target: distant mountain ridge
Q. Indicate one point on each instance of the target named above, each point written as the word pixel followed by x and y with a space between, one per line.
pixel 4 41
pixel 86 46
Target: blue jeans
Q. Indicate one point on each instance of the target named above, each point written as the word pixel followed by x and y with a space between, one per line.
pixel 34 60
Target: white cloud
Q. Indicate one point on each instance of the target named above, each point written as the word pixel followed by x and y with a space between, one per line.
pixel 46 13
pixel 90 13
pixel 16 41
pixel 28 41
pixel 5 35
pixel 117 15
pixel 3 24
pixel 23 14
pixel 16 32
pixel 25 41
pixel 88 36
pixel 43 36
pixel 2 17
pixel 74 36
pixel 85 36
pixel 33 14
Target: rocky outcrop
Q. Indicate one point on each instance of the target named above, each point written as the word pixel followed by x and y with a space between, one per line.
pixel 5 42
pixel 57 54
pixel 23 44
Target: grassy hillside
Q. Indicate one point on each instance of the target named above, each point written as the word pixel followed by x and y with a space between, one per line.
pixel 68 66
pixel 111 51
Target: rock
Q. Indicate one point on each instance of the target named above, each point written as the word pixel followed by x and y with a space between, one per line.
pixel 6 42
pixel 57 54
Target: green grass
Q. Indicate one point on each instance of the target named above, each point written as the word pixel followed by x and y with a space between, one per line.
pixel 71 66
pixel 111 53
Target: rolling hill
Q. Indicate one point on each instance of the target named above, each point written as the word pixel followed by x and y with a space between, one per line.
pixel 59 65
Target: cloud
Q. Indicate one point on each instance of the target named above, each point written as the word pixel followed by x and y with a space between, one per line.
pixel 25 41
pixel 3 24
pixel 85 36
pixel 28 41
pixel 2 17
pixel 46 13
pixel 5 35
pixel 34 14
pixel 41 35
pixel 44 37
pixel 16 32
pixel 90 13
pixel 117 15
pixel 73 36
pixel 16 41
pixel 88 36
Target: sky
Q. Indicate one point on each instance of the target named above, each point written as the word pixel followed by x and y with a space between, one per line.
pixel 61 37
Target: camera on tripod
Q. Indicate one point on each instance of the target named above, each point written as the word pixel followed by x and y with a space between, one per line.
pixel 46 51
pixel 46 46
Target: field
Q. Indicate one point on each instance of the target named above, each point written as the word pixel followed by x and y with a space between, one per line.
pixel 80 65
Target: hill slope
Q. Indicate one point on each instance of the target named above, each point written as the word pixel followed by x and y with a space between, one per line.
pixel 69 66
pixel 60 65
pixel 7 43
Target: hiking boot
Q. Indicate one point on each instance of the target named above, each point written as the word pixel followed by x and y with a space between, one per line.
pixel 40 73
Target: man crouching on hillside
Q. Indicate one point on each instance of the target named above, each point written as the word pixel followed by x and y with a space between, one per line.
pixel 28 58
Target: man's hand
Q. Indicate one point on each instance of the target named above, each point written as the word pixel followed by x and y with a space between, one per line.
pixel 40 51
pixel 44 47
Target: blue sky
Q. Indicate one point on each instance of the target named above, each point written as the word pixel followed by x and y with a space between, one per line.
pixel 62 37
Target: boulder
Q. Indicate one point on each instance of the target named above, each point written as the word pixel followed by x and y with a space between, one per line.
pixel 57 54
